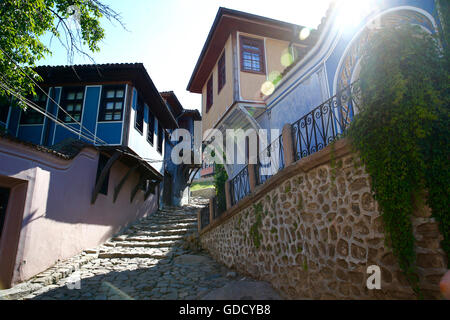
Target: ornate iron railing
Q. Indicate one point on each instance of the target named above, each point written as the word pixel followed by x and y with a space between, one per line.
pixel 326 123
pixel 240 186
pixel 271 160
pixel 204 216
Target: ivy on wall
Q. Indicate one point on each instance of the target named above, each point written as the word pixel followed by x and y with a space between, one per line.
pixel 402 132
pixel 220 177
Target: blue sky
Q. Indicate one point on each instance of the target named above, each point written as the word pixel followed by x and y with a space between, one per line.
pixel 168 35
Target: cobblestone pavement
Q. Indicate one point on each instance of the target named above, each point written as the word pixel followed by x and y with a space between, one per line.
pixel 149 260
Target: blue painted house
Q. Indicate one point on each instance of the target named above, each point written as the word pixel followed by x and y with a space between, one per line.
pixel 107 105
pixel 85 159
pixel 178 177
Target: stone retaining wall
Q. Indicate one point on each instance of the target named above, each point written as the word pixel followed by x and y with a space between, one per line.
pixel 313 229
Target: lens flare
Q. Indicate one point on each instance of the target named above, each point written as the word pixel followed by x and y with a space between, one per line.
pixel 267 88
pixel 286 58
pixel 304 34
pixel 275 77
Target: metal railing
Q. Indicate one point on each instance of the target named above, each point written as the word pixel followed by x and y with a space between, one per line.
pixel 325 123
pixel 240 186
pixel 271 160
pixel 311 133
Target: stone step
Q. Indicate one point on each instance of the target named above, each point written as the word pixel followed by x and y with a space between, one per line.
pixel 146 239
pixel 164 226
pixel 142 244
pixel 171 219
pixel 173 214
pixel 168 232
pixel 154 228
pixel 151 253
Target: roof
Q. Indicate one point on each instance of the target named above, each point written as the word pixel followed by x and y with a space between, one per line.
pixel 320 28
pixel 228 21
pixel 194 113
pixel 173 101
pixel 70 147
pixel 111 72
pixel 66 149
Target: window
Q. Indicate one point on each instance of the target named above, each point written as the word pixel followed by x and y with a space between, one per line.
pixel 209 94
pixel 160 137
pixel 151 127
pixel 111 105
pixel 72 103
pixel 221 79
pixel 32 116
pixel 4 197
pixel 102 161
pixel 252 55
pixel 139 121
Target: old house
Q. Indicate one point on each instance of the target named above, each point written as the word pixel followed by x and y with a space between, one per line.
pixel 178 176
pixel 309 228
pixel 82 165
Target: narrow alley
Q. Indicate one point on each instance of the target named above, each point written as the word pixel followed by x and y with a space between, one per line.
pixel 151 259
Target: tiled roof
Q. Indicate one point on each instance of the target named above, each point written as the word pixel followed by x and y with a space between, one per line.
pixel 66 149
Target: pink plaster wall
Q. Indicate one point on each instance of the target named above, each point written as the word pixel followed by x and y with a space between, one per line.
pixel 58 219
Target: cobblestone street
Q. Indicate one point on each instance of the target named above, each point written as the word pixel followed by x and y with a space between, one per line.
pixel 149 260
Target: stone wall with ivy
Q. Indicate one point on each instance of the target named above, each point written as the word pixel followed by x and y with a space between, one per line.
pixel 315 232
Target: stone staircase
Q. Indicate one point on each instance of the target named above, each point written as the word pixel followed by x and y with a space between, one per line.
pixel 156 239
pixel 159 236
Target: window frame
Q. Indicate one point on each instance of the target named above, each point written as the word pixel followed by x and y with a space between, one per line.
pixel 139 103
pixel 261 51
pixel 41 102
pixel 151 120
pixel 221 73
pixel 209 94
pixel 104 100
pixel 160 138
pixel 64 102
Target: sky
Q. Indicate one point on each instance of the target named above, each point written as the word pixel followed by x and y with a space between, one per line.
pixel 168 35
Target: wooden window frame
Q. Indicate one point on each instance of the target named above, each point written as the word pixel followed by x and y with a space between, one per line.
pixel 261 51
pixel 139 115
pixel 151 127
pixel 221 73
pixel 209 94
pixel 65 102
pixel 29 117
pixel 105 100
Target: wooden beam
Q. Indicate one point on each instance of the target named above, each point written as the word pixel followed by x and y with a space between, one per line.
pixel 103 174
pixel 191 178
pixel 122 181
pixel 151 189
pixel 136 188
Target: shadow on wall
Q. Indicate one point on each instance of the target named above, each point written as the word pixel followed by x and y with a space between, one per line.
pixel 69 200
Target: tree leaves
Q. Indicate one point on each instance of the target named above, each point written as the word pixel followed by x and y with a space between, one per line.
pixel 23 22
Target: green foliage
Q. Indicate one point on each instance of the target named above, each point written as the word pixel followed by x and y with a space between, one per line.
pixel 220 177
pixel 76 23
pixel 401 133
